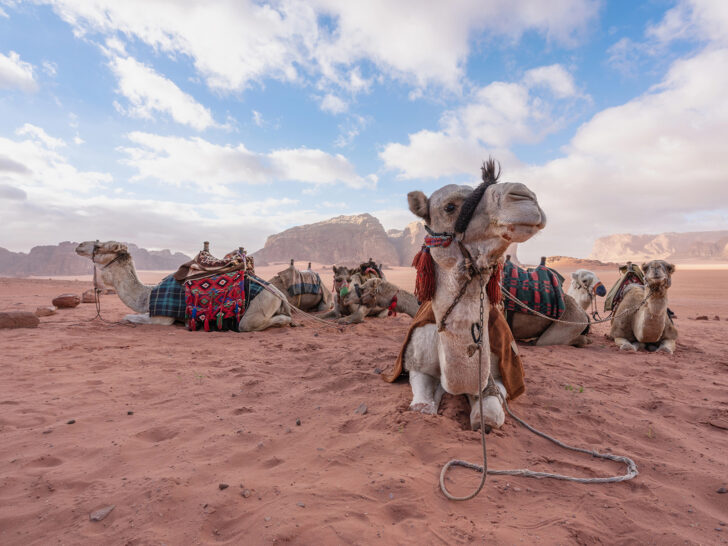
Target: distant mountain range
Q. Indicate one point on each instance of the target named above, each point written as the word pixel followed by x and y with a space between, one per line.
pixel 61 259
pixel 697 246
pixel 350 240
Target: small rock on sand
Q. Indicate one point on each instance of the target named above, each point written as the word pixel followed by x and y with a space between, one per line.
pixel 722 490
pixel 362 409
pixel 66 301
pixel 89 296
pixel 45 311
pixel 98 515
pixel 18 319
pixel 223 486
pixel 245 493
pixel 701 317
pixel 716 317
pixel 301 504
pixel 298 422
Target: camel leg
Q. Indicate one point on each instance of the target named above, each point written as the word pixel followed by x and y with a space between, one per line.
pixel 625 345
pixel 356 317
pixel 264 312
pixel 144 318
pixel 563 334
pixel 667 345
pixel 426 392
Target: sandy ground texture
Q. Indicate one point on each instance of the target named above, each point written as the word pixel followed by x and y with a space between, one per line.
pixel 203 438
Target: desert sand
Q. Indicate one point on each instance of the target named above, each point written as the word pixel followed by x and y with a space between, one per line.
pixel 161 417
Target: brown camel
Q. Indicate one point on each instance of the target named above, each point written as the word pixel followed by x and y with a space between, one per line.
pixel 641 319
pixel 378 294
pixel 347 286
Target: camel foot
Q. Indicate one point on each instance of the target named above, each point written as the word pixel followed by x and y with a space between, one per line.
pixel 493 414
pixel 428 408
pixel 665 349
pixel 581 341
pixel 627 346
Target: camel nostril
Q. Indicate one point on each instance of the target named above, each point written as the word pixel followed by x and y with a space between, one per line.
pixel 520 195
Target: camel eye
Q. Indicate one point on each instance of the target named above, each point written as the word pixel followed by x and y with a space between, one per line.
pixel 450 207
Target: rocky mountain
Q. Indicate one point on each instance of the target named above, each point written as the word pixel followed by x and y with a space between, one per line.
pixel 61 259
pixel 341 240
pixel 407 241
pixel 697 246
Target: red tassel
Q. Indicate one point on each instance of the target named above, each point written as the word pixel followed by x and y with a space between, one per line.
pixel 493 288
pixel 393 307
pixel 425 283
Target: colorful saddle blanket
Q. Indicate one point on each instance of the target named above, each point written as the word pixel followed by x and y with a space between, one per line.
pixel 215 303
pixel 539 288
pixel 168 299
pixel 629 274
pixel 309 283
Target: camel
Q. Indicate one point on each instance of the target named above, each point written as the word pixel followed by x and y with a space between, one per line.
pixel 347 285
pixel 290 277
pixel 585 287
pixel 116 268
pixel 641 319
pixel 481 223
pixel 544 331
pixel 378 295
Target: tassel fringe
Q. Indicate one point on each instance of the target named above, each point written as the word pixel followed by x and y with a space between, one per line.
pixel 425 283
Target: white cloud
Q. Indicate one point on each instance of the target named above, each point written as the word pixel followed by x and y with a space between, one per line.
pixel 50 68
pixel 493 118
pixel 258 118
pixel 3 13
pixel 33 165
pixel 703 20
pixel 649 165
pixel 195 161
pixel 149 92
pixel 15 73
pixel 234 44
pixel 333 104
pixel 554 77
pixel 40 135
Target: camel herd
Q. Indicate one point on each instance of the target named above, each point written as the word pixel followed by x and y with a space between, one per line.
pixel 470 230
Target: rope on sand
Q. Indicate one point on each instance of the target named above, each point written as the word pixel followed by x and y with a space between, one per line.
pixel 631 466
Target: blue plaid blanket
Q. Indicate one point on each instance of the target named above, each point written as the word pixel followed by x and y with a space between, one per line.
pixel 311 284
pixel 168 299
pixel 252 289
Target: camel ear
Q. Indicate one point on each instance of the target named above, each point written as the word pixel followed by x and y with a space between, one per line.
pixel 574 276
pixel 644 267
pixel 671 268
pixel 333 268
pixel 119 247
pixel 419 205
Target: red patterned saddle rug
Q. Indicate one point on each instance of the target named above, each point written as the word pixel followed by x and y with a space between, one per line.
pixel 215 303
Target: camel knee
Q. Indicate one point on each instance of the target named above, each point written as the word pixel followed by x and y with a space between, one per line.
pixel 493 414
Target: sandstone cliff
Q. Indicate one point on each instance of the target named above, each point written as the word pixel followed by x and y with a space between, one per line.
pixel 699 246
pixel 346 240
pixel 61 259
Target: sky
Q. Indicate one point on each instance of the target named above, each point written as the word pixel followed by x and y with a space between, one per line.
pixel 169 122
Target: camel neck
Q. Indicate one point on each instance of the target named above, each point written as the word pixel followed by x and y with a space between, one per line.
pixel 122 276
pixel 458 368
pixel 407 303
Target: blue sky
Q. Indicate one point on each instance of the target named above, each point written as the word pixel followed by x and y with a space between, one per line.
pixel 165 123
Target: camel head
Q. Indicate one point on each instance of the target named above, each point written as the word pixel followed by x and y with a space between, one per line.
pixel 370 292
pixel 585 287
pixel 102 253
pixel 486 219
pixel 658 275
pixel 342 277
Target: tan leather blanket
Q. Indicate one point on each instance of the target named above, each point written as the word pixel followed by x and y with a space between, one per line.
pixel 501 343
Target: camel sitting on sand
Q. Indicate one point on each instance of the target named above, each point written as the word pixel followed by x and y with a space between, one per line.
pixel 473 228
pixel 347 287
pixel 641 319
pixel 379 295
pixel 116 268
pixel 303 289
pixel 585 287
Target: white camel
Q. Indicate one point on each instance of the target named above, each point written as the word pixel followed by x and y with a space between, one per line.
pixel 585 287
pixel 438 357
pixel 116 268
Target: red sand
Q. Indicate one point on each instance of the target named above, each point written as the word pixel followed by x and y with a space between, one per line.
pixel 222 408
